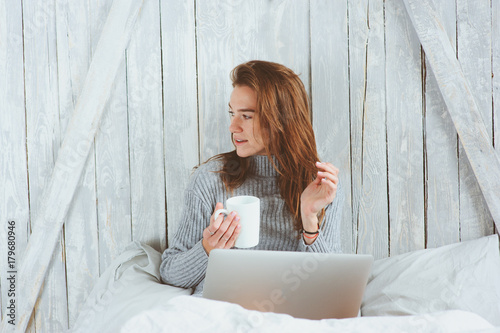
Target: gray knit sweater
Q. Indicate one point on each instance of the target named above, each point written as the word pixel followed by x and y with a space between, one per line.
pixel 184 263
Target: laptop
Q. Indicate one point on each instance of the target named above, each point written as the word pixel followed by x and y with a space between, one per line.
pixel 301 284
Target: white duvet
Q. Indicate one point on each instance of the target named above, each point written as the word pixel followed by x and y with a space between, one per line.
pixel 455 288
pixel 195 314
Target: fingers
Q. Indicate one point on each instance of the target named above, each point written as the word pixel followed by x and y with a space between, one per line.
pixel 224 226
pixel 328 168
pixel 327 173
pixel 229 237
pixel 328 178
pixel 215 224
pixel 222 232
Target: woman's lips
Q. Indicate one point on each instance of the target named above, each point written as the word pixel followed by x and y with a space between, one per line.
pixel 239 142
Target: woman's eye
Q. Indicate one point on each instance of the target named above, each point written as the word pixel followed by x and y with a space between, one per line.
pixel 243 116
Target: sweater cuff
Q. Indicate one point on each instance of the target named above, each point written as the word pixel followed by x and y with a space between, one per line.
pixel 200 257
pixel 194 264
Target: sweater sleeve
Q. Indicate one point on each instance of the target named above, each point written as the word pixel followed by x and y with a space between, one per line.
pixel 328 240
pixel 184 263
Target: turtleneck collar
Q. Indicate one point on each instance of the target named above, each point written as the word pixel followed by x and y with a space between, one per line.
pixel 260 165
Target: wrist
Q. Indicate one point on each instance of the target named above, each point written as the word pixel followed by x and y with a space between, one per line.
pixel 310 228
pixel 309 237
pixel 205 246
pixel 310 223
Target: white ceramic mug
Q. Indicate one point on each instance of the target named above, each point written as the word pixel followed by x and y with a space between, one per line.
pixel 248 208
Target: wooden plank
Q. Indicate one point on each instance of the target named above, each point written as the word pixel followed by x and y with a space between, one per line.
pixel 72 156
pixel 180 107
pixel 112 158
pixel 274 31
pixel 144 84
pixel 461 105
pixel 14 202
pixel 80 231
pixel 215 49
pixel 43 140
pixel 330 95
pixel 474 55
pixel 231 32
pixel 368 134
pixel 404 132
pixel 495 56
pixel 441 160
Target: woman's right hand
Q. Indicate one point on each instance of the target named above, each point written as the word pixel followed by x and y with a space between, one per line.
pixel 221 233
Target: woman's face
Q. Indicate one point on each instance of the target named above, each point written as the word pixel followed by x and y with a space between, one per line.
pixel 245 128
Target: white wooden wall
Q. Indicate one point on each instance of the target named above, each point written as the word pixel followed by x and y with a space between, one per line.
pixel 377 113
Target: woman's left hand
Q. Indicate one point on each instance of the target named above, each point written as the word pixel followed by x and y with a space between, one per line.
pixel 318 194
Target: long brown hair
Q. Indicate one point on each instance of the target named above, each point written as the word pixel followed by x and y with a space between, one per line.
pixel 284 115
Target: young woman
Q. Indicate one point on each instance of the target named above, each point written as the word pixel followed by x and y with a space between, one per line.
pixel 275 159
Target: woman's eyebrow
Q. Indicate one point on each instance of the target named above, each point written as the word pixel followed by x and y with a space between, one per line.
pixel 241 110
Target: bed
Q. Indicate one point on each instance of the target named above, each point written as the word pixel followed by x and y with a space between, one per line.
pixel 454 288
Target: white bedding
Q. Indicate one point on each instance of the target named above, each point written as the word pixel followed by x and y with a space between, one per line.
pixel 196 314
pixel 461 294
pixel 463 276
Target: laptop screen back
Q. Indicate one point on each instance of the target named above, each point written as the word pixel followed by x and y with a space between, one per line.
pixel 301 284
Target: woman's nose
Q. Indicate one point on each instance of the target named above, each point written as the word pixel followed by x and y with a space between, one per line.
pixel 234 127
